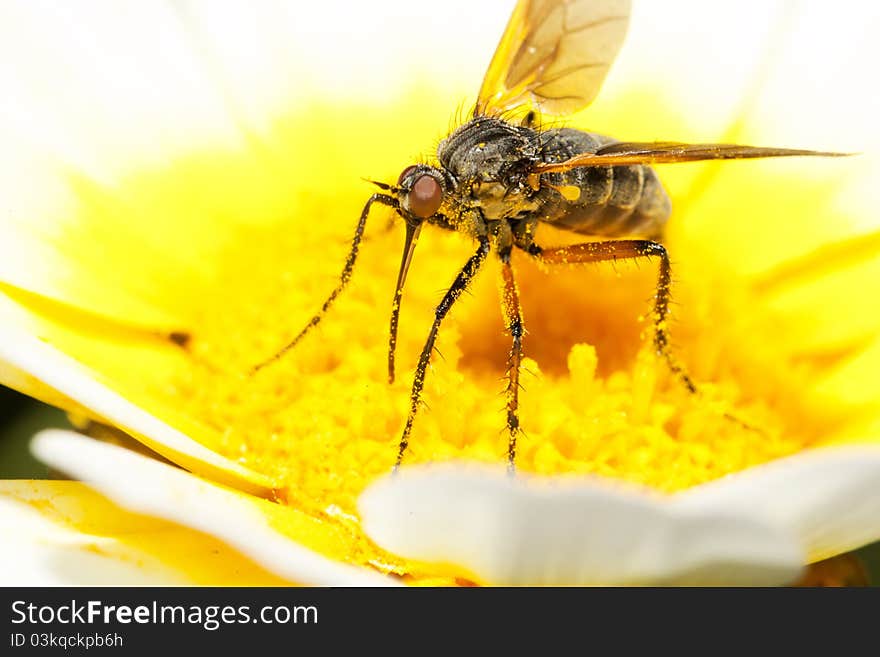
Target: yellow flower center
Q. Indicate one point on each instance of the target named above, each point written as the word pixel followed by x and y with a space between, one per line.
pixel 323 421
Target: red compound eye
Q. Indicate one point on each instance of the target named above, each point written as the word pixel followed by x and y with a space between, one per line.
pixel 425 196
pixel 405 173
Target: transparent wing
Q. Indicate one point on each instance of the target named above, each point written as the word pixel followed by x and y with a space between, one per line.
pixel 664 152
pixel 553 56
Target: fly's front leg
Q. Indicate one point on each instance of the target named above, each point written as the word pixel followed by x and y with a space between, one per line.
pixel 617 250
pixel 344 278
pixel 467 273
pixel 513 321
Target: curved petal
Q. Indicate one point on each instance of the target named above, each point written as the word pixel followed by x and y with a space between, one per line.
pixel 528 530
pixel 63 533
pixel 25 383
pixel 34 552
pixel 70 380
pixel 829 498
pixel 243 522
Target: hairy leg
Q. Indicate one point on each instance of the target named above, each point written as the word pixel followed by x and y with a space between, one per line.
pixel 622 249
pixel 513 321
pixel 344 279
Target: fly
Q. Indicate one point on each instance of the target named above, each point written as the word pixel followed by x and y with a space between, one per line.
pixel 500 175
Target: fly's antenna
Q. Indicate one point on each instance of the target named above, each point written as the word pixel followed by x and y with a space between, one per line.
pixel 383 186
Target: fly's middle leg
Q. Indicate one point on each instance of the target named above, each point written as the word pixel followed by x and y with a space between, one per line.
pixel 622 249
pixel 513 321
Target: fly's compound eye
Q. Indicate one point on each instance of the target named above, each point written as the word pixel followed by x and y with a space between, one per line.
pixel 425 196
pixel 405 173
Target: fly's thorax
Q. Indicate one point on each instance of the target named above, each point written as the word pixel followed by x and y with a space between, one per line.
pixel 498 201
pixel 490 161
pixel 489 149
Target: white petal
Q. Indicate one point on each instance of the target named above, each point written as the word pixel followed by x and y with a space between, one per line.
pixel 37 552
pixel 58 532
pixel 147 486
pixel 530 530
pixel 829 498
pixel 70 379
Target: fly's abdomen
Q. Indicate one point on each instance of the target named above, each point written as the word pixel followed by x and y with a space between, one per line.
pixel 604 201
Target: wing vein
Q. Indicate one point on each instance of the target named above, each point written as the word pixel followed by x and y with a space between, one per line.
pixel 602 21
pixel 568 46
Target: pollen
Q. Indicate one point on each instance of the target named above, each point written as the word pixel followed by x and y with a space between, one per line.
pixel 568 192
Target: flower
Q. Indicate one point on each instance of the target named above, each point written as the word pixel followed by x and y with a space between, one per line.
pixel 184 187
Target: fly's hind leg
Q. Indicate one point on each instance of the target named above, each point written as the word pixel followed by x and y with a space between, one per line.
pixel 622 249
pixel 513 321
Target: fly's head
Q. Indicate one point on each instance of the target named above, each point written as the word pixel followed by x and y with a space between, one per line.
pixel 421 190
pixel 418 196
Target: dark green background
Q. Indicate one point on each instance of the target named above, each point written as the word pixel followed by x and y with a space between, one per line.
pixel 21 417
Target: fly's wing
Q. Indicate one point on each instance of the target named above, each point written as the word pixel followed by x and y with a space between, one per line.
pixel 623 153
pixel 553 56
